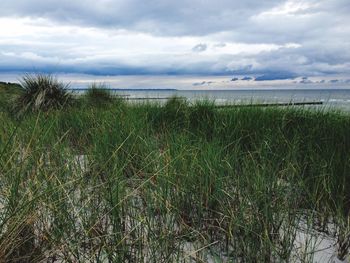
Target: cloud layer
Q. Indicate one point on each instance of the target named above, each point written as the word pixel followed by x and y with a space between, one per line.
pixel 295 37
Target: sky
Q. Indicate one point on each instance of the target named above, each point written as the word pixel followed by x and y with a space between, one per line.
pixel 272 39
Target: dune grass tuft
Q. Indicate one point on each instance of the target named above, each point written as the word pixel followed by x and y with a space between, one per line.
pixel 42 92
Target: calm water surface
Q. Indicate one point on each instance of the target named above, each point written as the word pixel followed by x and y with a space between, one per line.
pixel 218 88
pixel 334 98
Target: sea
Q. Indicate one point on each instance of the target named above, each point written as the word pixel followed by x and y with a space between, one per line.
pixel 331 98
pixel 332 91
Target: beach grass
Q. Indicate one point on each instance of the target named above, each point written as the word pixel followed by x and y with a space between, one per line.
pixel 173 183
pixel 98 94
pixel 41 92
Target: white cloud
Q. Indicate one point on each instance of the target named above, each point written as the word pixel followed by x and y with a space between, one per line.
pixel 291 8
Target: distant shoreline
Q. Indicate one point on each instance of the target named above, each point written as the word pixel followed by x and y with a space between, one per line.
pixel 217 90
pixel 116 89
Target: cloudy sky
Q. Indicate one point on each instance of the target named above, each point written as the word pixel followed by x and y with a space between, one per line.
pixel 203 37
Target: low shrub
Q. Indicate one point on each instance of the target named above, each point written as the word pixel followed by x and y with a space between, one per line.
pixel 98 94
pixel 174 114
pixel 202 118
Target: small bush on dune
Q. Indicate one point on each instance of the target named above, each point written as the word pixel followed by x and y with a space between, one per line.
pixel 98 94
pixel 175 113
pixel 9 92
pixel 202 118
pixel 41 93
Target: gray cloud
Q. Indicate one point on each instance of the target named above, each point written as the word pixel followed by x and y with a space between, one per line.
pixel 200 48
pixel 155 16
pixel 312 37
pixel 220 45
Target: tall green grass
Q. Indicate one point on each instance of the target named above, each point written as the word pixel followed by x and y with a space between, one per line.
pixel 172 183
pixel 8 94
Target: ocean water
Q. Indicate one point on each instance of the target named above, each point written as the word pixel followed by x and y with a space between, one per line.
pixel 333 91
pixel 331 97
pixel 223 90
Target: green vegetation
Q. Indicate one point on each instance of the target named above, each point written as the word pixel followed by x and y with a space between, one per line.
pixel 98 94
pixel 172 183
pixel 42 93
pixel 8 92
